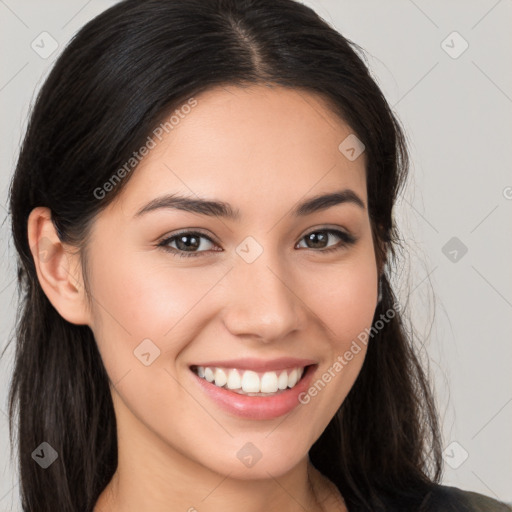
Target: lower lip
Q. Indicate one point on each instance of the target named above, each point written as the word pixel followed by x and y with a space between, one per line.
pixel 257 407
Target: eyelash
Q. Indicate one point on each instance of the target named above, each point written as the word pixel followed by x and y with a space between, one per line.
pixel 346 238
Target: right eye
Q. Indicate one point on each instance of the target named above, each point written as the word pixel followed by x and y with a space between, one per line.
pixel 187 244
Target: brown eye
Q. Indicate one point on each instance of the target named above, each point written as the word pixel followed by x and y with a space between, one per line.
pixel 187 243
pixel 319 239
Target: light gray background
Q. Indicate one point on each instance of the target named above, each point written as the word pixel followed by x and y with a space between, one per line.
pixel 457 114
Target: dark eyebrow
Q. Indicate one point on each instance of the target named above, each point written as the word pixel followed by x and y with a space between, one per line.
pixel 325 201
pixel 190 204
pixel 222 209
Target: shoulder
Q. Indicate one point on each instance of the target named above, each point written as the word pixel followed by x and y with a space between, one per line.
pixel 452 499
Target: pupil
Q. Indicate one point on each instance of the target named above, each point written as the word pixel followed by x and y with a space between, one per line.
pixel 320 236
pixel 182 240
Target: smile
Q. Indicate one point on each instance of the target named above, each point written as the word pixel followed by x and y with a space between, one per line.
pixel 248 382
pixel 254 389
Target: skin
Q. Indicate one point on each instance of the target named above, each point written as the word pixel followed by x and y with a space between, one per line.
pixel 177 448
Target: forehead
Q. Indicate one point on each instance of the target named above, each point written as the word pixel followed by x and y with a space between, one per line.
pixel 256 145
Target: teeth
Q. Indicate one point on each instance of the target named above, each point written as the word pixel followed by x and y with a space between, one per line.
pixel 208 374
pixel 282 382
pixel 293 378
pixel 268 383
pixel 220 377
pixel 234 380
pixel 249 382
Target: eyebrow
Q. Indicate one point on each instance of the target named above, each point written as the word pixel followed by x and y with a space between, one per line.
pixel 225 210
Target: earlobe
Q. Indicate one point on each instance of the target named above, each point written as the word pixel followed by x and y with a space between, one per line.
pixel 57 267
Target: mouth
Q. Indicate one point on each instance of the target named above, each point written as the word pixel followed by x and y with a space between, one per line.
pixel 251 383
pixel 255 389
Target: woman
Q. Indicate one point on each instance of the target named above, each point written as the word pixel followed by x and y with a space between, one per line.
pixel 202 209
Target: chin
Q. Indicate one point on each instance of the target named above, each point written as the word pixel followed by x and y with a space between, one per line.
pixel 258 459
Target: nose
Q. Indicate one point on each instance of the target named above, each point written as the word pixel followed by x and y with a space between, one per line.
pixel 263 303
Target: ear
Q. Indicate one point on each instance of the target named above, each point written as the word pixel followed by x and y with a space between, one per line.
pixel 58 268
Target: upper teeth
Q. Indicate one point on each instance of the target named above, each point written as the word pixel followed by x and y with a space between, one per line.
pixel 249 381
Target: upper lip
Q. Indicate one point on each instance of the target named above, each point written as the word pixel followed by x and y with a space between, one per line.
pixel 259 365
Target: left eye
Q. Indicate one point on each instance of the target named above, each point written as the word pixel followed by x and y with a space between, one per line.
pixel 189 243
pixel 321 236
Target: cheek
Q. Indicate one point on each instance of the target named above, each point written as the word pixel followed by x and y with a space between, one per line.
pixel 146 314
pixel 137 298
pixel 344 297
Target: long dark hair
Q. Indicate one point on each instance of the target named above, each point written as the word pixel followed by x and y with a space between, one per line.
pixel 121 74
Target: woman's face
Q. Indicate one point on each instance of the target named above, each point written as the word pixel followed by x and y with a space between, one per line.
pixel 257 287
